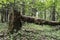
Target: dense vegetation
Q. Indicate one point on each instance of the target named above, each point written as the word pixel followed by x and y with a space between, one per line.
pixel 44 9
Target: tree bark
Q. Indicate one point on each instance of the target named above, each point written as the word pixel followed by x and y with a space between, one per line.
pixel 6 15
pixel 14 22
pixel 39 21
pixel 53 10
pixel 2 18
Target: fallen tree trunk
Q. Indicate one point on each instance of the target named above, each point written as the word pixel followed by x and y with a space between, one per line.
pixel 38 21
pixel 15 21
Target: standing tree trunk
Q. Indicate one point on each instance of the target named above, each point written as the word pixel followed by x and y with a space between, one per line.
pixel 34 10
pixel 45 14
pixel 6 11
pixel 2 14
pixel 53 10
pixel 2 17
pixel 53 13
pixel 6 15
pixel 23 8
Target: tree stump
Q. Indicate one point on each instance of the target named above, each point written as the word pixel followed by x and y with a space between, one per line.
pixel 14 22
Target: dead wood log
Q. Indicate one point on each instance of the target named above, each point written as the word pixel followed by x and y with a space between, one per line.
pixel 38 21
pixel 15 21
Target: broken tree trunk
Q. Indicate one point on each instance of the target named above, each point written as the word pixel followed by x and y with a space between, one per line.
pixel 39 21
pixel 15 21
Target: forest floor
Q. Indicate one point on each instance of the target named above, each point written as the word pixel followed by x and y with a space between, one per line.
pixel 31 32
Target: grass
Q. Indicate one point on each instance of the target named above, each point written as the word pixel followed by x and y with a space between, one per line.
pixel 32 31
pixel 3 26
pixel 45 30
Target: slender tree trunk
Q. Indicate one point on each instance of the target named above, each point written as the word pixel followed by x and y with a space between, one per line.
pixel 6 16
pixel 53 13
pixel 23 8
pixel 2 14
pixel 14 2
pixel 6 12
pixel 2 17
pixel 53 10
pixel 34 12
pixel 45 14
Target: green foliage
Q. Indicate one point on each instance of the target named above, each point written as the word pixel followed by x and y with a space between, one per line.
pixel 33 32
pixel 36 31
